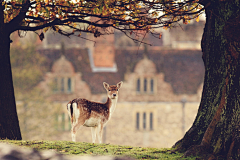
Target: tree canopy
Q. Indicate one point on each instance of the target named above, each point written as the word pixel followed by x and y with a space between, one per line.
pixel 99 16
pixel 215 131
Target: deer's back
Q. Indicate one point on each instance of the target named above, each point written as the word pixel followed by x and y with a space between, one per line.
pixel 93 112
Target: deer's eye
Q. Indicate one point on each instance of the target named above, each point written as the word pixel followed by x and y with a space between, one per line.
pixel 109 90
pixel 117 89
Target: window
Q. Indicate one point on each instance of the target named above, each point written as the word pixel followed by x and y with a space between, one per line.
pixel 151 121
pixel 137 120
pixel 145 85
pixel 63 85
pixel 55 85
pixel 63 122
pixel 152 84
pixel 144 121
pixel 138 85
pixel 69 85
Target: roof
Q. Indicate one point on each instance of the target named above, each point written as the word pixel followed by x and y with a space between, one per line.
pixel 183 69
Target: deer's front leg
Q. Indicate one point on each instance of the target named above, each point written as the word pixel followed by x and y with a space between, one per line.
pixel 94 132
pixel 100 132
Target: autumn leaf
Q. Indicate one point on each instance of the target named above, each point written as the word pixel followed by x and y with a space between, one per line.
pixel 41 36
pixel 121 15
pixel 197 19
pixel 45 29
pixel 160 35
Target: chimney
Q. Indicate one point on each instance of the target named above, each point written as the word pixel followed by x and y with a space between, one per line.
pixel 104 51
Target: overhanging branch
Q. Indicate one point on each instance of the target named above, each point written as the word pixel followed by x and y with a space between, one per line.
pixel 15 22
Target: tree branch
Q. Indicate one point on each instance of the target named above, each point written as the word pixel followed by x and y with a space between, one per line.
pixel 15 22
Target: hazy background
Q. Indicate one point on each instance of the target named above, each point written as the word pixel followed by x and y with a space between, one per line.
pixel 157 103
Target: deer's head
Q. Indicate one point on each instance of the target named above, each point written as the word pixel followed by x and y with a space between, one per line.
pixel 112 90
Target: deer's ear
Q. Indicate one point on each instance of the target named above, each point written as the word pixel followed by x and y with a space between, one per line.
pixel 119 85
pixel 105 85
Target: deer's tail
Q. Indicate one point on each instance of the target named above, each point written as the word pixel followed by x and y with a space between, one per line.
pixel 73 110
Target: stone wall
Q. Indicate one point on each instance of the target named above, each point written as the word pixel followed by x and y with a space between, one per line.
pixel 163 91
pixel 168 125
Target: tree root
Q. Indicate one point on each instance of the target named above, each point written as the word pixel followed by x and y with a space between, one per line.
pixel 202 151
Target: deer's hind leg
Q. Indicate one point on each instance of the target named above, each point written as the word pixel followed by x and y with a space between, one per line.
pixel 75 128
pixel 77 122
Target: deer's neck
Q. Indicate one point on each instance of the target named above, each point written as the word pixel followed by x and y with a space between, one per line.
pixel 112 103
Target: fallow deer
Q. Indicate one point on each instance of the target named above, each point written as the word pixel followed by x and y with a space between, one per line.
pixel 93 114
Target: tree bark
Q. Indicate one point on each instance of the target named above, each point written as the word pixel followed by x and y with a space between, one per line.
pixel 215 132
pixel 9 125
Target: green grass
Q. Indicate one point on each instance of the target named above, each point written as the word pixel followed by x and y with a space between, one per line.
pixel 81 148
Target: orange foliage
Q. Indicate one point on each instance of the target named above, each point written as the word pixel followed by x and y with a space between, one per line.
pixel 124 15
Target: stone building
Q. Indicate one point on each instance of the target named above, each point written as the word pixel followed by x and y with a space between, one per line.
pixel 160 94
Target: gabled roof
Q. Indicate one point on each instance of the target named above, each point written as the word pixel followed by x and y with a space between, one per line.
pixel 183 69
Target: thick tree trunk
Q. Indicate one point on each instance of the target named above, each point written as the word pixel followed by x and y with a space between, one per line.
pixel 215 132
pixel 9 125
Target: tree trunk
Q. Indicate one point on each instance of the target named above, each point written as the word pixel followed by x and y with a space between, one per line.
pixel 215 132
pixel 9 125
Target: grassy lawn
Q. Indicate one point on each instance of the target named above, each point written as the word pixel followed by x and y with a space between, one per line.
pixel 81 148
